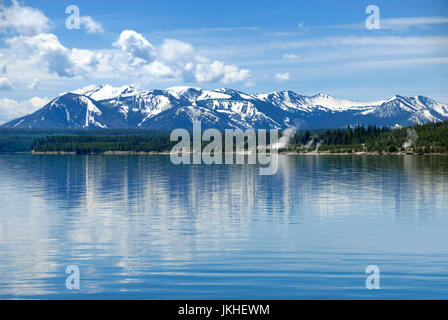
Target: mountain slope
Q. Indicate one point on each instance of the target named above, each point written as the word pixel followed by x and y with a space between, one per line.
pixel 177 107
pixel 67 111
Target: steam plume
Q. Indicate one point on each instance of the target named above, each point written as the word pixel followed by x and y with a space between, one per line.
pixel 309 144
pixel 285 138
pixel 412 137
pixel 318 146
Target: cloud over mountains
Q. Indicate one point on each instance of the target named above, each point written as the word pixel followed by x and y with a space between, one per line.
pixel 32 50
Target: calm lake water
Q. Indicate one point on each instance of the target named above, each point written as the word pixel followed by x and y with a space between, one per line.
pixel 140 227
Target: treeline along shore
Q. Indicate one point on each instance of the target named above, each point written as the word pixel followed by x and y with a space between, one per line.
pixel 431 138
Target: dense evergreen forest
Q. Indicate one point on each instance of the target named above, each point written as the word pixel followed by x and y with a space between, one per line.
pixel 20 140
pixel 421 139
pixel 427 138
pixel 87 144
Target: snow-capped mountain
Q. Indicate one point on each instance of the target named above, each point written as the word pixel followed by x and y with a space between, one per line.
pixel 177 107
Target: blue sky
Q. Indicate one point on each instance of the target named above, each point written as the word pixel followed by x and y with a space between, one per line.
pixel 254 46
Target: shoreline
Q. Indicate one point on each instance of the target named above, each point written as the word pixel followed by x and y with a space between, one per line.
pixel 288 153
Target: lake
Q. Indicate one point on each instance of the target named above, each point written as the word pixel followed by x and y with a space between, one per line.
pixel 139 227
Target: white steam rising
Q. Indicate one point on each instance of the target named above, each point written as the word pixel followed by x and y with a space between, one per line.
pixel 318 146
pixel 309 144
pixel 412 137
pixel 285 138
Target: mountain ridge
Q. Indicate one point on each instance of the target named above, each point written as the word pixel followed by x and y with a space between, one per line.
pixel 123 107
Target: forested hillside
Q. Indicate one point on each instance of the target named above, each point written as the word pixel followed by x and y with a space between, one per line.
pixel 20 140
pixel 87 144
pixel 427 138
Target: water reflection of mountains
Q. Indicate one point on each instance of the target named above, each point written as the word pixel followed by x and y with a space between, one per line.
pixel 151 184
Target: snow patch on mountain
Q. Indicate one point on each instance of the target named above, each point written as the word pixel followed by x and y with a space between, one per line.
pixel 335 104
pixel 105 92
pixel 179 91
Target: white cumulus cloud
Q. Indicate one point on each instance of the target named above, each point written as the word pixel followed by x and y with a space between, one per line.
pixel 53 56
pixel 24 20
pixel 175 59
pixel 175 51
pixel 33 55
pixel 91 25
pixel 11 109
pixel 137 48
